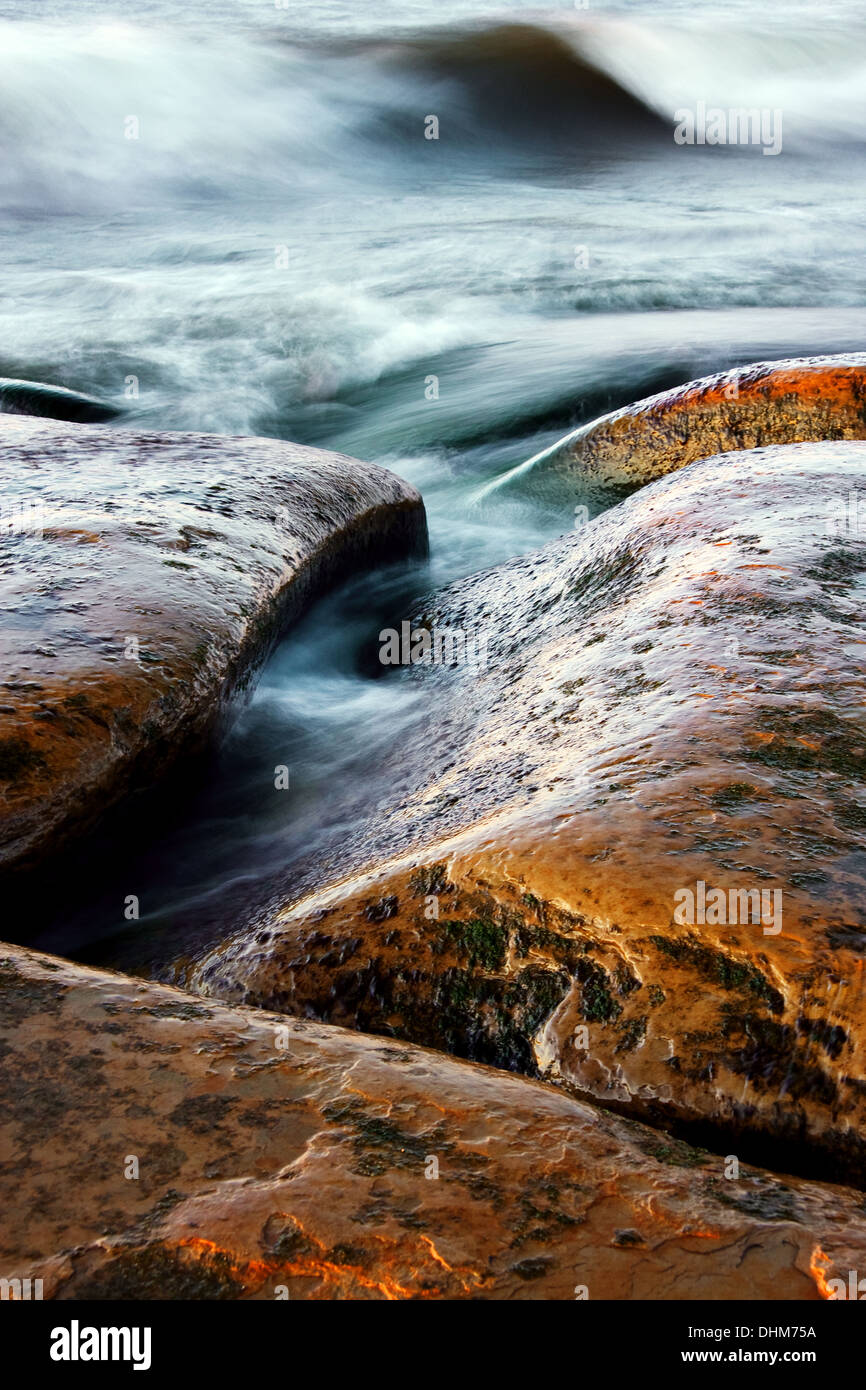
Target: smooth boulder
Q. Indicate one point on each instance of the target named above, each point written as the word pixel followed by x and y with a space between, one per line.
pixel 143 580
pixel 155 1146
pixel 670 724
pixel 782 402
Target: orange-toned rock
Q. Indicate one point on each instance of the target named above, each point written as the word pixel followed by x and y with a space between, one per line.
pixel 671 718
pixel 143 578
pixel 157 1146
pixel 786 402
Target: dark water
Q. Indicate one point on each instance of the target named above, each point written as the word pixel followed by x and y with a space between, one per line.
pixel 280 251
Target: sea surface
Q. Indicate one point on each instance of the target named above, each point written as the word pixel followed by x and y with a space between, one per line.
pixel 224 215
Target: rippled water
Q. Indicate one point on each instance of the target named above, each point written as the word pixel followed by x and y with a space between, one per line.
pixel 280 251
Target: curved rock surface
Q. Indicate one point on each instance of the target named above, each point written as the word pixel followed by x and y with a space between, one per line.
pixel 158 1146
pixel 785 402
pixel 143 578
pixel 55 402
pixel 674 697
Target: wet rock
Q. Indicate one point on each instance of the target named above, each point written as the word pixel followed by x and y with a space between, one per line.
pixel 55 402
pixel 143 579
pixel 786 402
pixel 160 1147
pixel 630 851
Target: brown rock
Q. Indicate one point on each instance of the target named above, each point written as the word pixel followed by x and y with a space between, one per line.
pixel 143 579
pixel 787 402
pixel 674 696
pixel 280 1158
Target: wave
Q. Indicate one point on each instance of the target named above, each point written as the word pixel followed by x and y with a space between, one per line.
pixel 520 79
pixel 137 111
pixel 397 274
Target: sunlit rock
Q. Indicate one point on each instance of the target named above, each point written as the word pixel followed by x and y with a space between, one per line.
pixel 162 1147
pixel 631 853
pixel 786 402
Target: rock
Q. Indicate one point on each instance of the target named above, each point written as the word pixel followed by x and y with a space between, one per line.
pixel 673 697
pixel 143 579
pixel 155 1146
pixel 56 402
pixel 787 402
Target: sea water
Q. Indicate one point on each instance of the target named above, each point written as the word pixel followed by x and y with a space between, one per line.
pixel 437 237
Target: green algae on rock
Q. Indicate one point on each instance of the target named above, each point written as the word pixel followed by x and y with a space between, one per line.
pixel 715 741
pixel 279 1158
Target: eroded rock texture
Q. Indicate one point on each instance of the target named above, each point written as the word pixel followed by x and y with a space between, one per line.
pixel 673 698
pixel 143 579
pixel 157 1146
pixel 786 402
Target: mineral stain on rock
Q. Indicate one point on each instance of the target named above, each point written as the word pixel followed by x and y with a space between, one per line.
pixel 790 402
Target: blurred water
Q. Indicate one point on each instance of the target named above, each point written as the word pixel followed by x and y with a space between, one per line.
pixel 280 251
